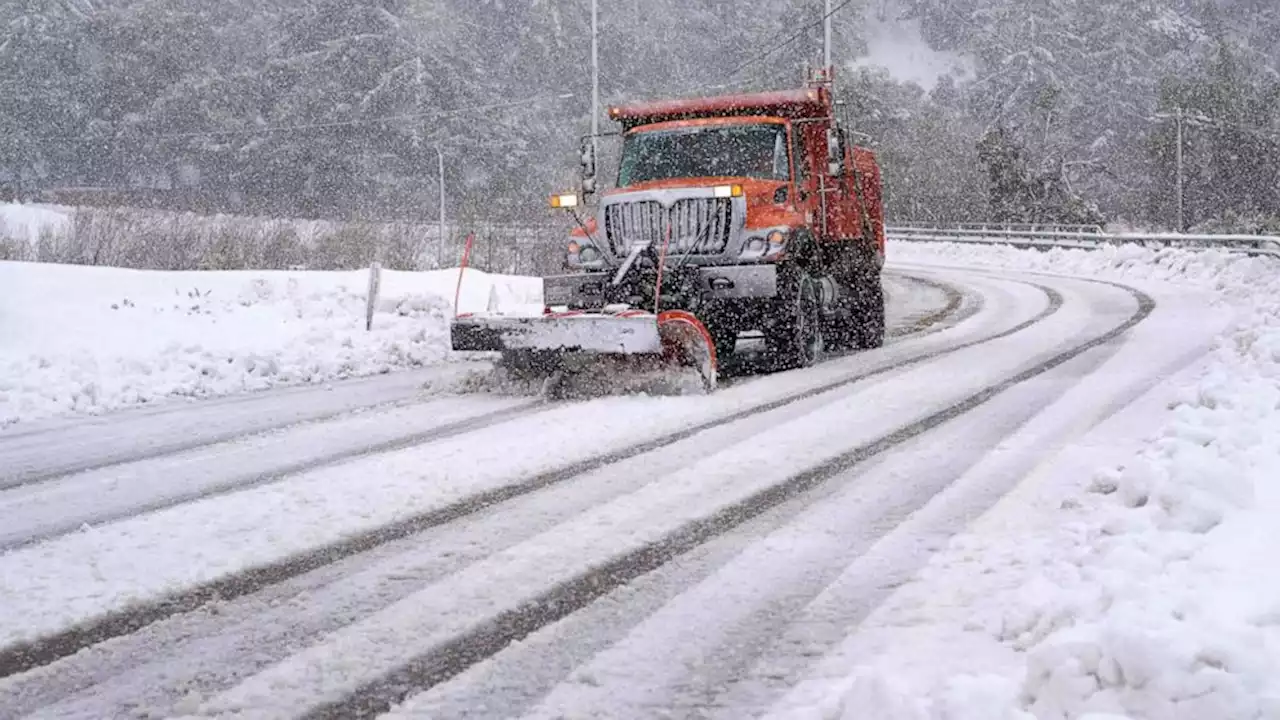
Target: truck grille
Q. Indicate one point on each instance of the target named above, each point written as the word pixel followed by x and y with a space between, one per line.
pixel 705 224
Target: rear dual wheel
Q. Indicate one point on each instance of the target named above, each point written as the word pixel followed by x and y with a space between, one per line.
pixel 799 333
pixel 868 313
pixel 859 322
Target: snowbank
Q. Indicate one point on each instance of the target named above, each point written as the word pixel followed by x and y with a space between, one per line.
pixel 89 339
pixel 1238 275
pixel 19 221
pixel 1137 584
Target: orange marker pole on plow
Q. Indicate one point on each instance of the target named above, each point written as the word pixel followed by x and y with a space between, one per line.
pixel 462 269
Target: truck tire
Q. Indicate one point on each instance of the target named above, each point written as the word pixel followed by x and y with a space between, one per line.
pixel 857 320
pixel 840 332
pixel 869 313
pixel 795 337
pixel 724 335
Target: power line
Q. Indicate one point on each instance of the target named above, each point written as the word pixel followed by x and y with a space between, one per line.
pixel 792 39
pixel 364 121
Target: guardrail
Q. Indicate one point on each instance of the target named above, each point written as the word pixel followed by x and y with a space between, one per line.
pixel 1017 227
pixel 1084 238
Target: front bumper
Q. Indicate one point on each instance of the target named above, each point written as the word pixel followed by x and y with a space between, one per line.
pixel 738 282
pixel 714 282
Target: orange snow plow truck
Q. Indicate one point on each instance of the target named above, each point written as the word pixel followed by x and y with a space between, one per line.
pixel 741 213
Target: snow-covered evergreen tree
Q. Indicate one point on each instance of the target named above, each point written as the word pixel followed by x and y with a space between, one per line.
pixel 336 107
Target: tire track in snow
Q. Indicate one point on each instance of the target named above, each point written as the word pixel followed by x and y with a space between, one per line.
pixel 28 531
pixel 465 649
pixel 17 535
pixel 50 648
pixel 160 666
pixel 655 647
pixel 453 620
pixel 110 677
pixel 683 661
pixel 63 448
pixel 932 322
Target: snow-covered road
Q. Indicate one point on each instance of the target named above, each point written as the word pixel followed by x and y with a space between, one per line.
pixel 373 548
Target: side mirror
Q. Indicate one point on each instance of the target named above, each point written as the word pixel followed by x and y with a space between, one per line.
pixel 835 158
pixel 588 160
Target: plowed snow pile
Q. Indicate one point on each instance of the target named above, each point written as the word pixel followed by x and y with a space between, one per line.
pixel 1136 582
pixel 27 222
pixel 86 339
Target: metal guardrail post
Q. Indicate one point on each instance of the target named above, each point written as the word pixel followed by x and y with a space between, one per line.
pixel 375 286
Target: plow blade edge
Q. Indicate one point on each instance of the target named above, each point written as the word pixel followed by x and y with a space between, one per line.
pixel 630 342
pixel 586 333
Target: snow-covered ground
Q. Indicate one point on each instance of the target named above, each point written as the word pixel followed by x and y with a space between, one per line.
pixel 1112 560
pixel 1131 579
pixel 117 565
pixel 87 339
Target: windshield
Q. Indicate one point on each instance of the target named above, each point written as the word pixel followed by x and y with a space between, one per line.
pixel 748 151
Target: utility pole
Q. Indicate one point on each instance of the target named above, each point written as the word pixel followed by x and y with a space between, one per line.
pixel 1180 119
pixel 826 36
pixel 440 246
pixel 1182 225
pixel 595 78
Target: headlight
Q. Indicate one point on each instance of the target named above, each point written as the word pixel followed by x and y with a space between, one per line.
pixel 773 243
pixel 588 254
pixel 777 242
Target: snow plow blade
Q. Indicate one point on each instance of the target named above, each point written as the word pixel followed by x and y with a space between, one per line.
pixel 604 352
pixel 589 333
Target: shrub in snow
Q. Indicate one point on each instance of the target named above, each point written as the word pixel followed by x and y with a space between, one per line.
pixel 13 248
pixel 1235 223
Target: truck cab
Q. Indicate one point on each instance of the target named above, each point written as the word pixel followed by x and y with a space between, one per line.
pixel 761 213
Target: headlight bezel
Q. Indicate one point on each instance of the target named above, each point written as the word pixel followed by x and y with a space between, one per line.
pixel 588 254
pixel 766 243
pixel 582 253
